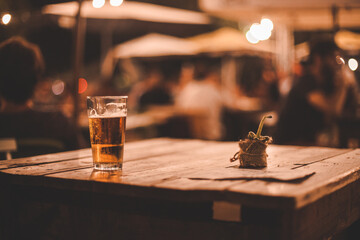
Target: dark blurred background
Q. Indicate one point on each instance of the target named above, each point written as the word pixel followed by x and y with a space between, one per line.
pixel 261 73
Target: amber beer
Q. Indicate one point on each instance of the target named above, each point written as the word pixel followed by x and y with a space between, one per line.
pixel 107 136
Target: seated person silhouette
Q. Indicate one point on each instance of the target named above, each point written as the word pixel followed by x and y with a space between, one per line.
pixel 318 99
pixel 35 132
pixel 153 89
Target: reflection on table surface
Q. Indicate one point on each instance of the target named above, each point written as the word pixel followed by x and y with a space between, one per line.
pixel 106 176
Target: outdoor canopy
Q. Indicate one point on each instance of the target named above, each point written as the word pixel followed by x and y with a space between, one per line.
pixel 106 21
pixel 129 10
pixel 298 14
pixel 219 41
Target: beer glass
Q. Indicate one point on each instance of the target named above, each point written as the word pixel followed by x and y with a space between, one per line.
pixel 107 121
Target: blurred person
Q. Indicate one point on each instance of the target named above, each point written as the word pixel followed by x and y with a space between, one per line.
pixel 171 70
pixel 156 92
pixel 270 92
pixel 201 100
pixel 258 79
pixel 323 94
pixel 153 89
pixel 36 132
pixel 186 75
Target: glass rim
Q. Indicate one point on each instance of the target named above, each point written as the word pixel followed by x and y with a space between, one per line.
pixel 110 97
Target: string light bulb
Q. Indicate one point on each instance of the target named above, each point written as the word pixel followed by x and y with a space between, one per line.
pixel 116 3
pixel 267 23
pixel 353 64
pixel 98 3
pixel 101 3
pixel 251 38
pixel 6 18
pixel 260 31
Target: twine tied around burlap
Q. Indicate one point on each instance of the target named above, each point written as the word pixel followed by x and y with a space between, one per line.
pixel 253 149
pixel 252 153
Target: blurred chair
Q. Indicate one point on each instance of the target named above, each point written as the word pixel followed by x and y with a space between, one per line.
pixel 176 127
pixel 27 147
pixel 37 146
pixel 7 146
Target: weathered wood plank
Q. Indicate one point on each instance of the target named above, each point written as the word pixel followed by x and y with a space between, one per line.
pixel 166 163
pixel 83 153
pixel 168 172
pixel 320 154
pixel 132 153
pixel 210 156
pixel 173 167
pixel 190 184
pixel 150 170
pixel 328 215
pixel 155 176
pixel 141 149
pixel 172 146
pixel 52 167
pixel 66 214
pixel 300 155
pixel 178 160
pixel 251 186
pixel 57 157
pixel 331 175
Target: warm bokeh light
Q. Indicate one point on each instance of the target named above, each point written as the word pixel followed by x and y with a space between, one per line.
pixel 267 23
pixel 116 3
pixel 58 87
pixel 6 18
pixel 353 64
pixel 260 32
pixel 98 3
pixel 251 38
pixel 255 30
pixel 82 85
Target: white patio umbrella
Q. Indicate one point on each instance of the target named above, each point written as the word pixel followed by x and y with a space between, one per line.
pixel 230 40
pixel 106 20
pixel 150 45
pixel 287 17
pixel 109 19
pixel 348 40
pixel 223 40
pixel 129 10
pixel 155 45
pixel 299 14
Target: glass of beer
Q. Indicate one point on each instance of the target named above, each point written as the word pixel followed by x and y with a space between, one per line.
pixel 107 121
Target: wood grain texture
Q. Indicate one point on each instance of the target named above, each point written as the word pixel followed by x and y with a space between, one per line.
pixel 154 191
pixel 163 165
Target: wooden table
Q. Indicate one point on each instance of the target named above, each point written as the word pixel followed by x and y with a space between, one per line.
pixel 165 191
